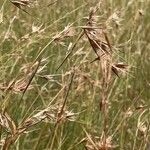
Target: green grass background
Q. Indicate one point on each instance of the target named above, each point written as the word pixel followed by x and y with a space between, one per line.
pixel 19 46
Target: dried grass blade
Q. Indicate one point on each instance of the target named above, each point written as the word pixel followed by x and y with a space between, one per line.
pixel 11 123
pixel 32 76
pixel 107 40
pixel 65 100
pixel 115 71
pixel 19 5
pixel 92 43
pixel 90 139
pixel 73 47
pixel 29 82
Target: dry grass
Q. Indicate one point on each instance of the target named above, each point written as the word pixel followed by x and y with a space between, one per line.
pixel 74 75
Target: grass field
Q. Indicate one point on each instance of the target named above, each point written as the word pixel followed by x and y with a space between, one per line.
pixel 75 75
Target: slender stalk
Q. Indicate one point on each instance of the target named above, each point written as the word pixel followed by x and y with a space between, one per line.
pixel 60 114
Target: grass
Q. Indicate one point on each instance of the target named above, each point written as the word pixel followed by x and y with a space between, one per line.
pixel 74 75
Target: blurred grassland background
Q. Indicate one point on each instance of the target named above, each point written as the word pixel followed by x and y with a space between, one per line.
pixel 24 36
